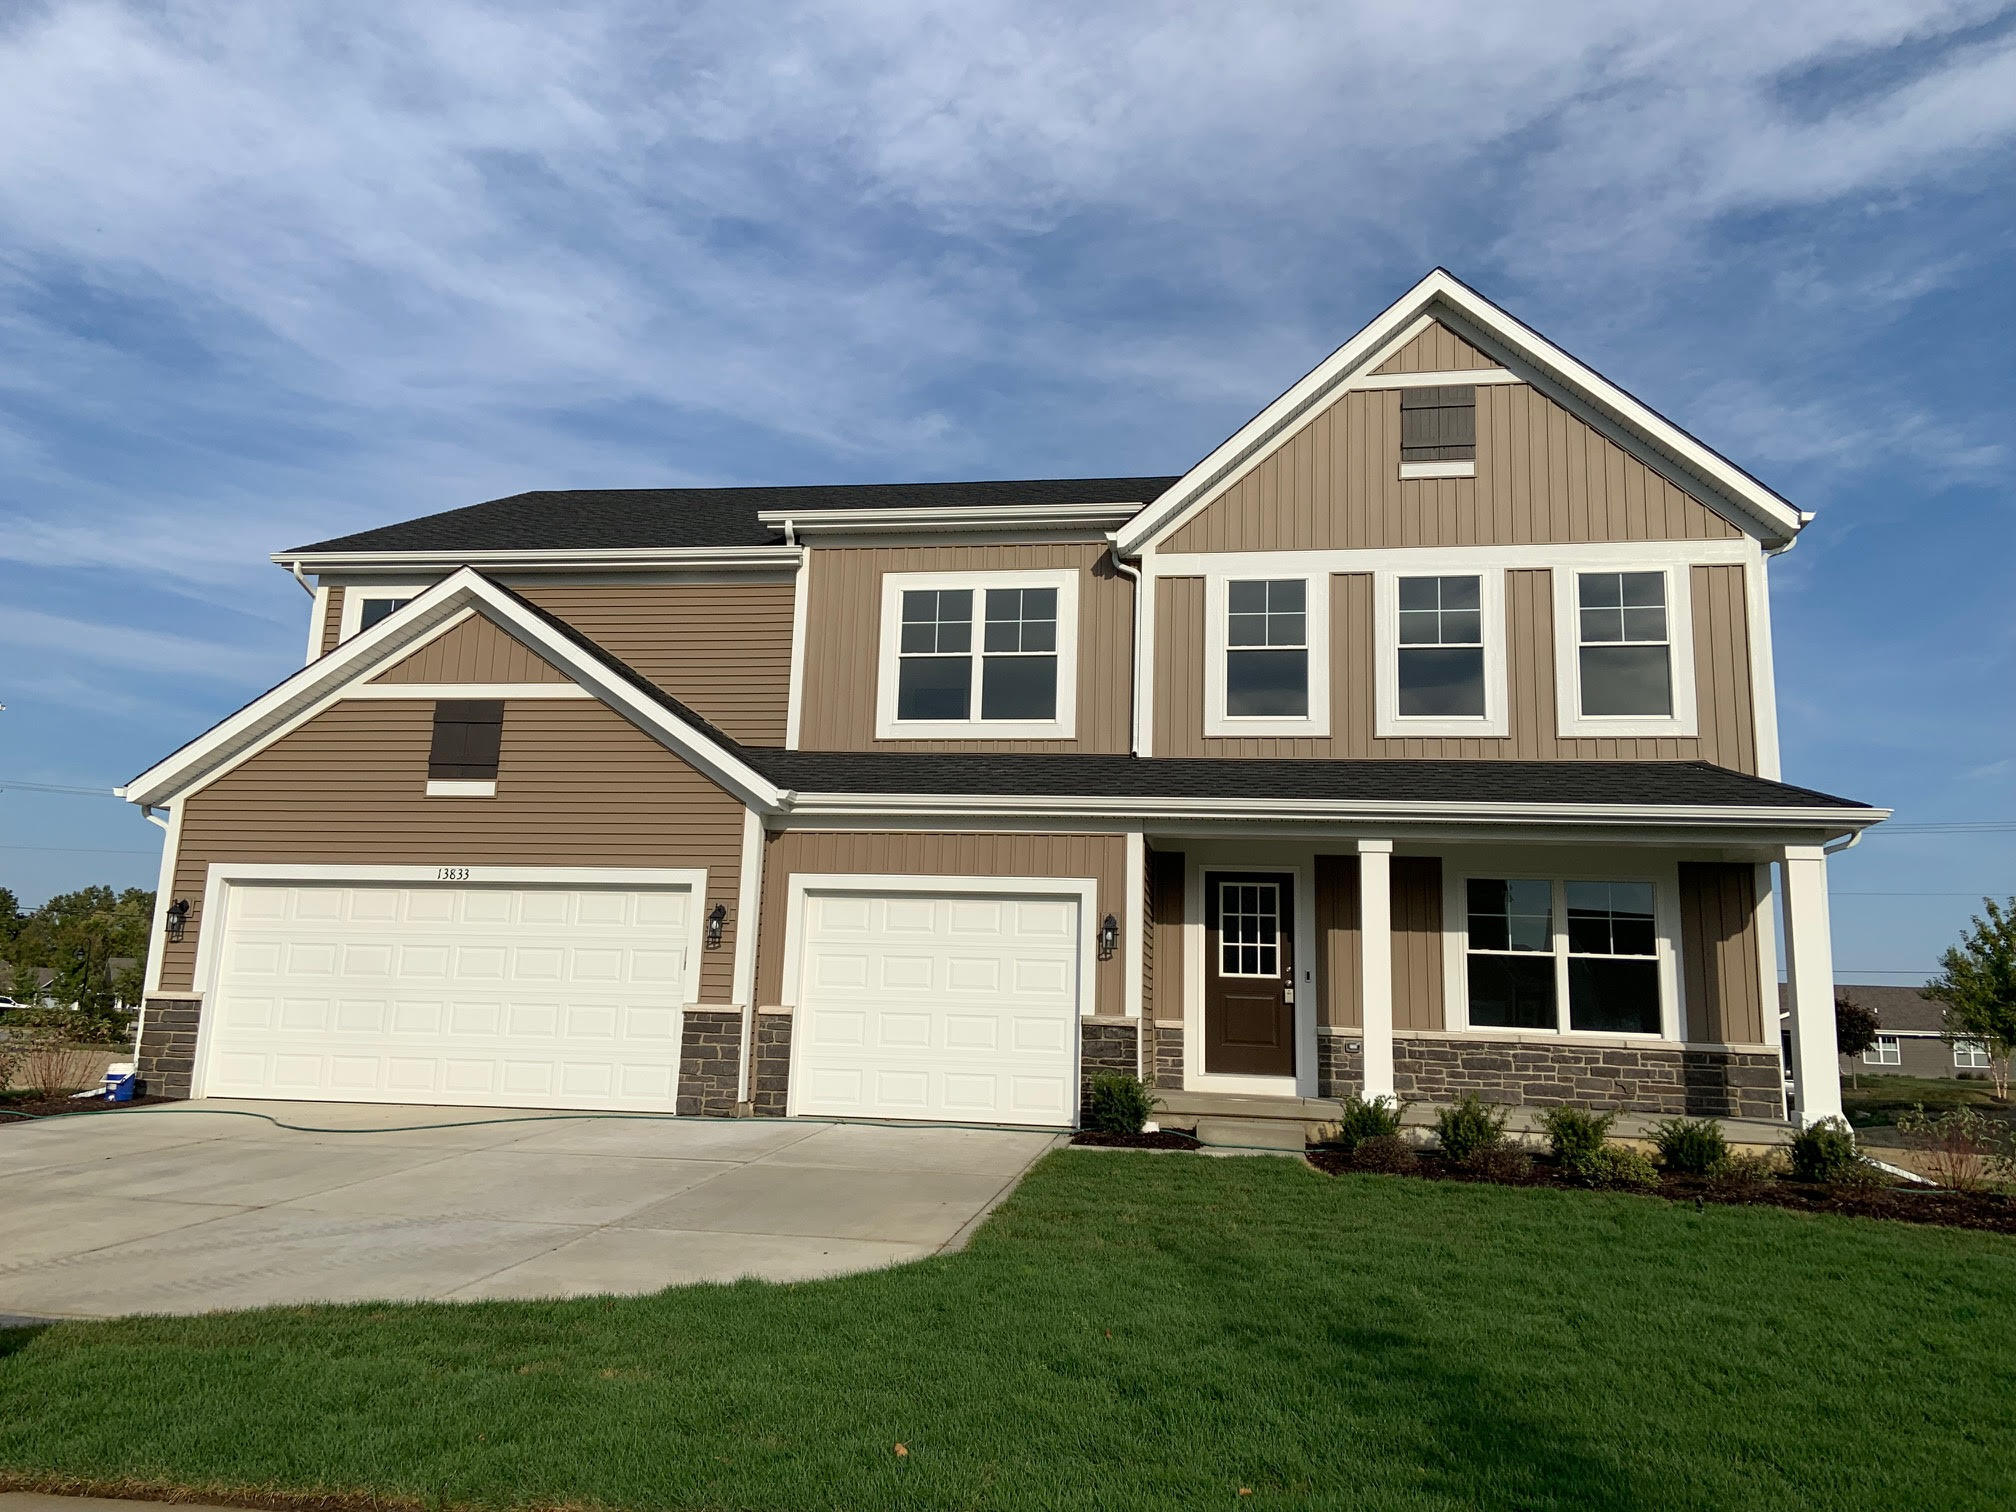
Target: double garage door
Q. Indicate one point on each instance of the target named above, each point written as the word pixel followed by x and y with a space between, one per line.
pixel 544 997
pixel 911 1005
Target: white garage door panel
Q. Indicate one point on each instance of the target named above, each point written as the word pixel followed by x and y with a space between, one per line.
pixel 939 1007
pixel 521 997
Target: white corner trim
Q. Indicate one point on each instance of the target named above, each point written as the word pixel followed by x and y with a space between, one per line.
pixel 318 620
pixel 794 697
pixel 390 690
pixel 1467 468
pixel 1388 722
pixel 1085 890
pixel 895 584
pixel 1316 600
pixel 1133 924
pixel 1569 720
pixel 461 787
pixel 164 888
pixel 1763 668
pixel 355 595
pixel 748 913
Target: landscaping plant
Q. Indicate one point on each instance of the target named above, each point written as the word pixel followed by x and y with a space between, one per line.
pixel 1118 1103
pixel 1617 1165
pixel 1468 1126
pixel 1385 1152
pixel 1743 1170
pixel 1366 1118
pixel 1826 1153
pixel 1962 1149
pixel 1576 1137
pixel 1500 1162
pixel 1854 1032
pixel 1691 1146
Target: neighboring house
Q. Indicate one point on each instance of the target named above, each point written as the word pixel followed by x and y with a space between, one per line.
pixel 1420 739
pixel 1909 1037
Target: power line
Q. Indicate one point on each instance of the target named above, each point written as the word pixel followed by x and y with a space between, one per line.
pixel 53 787
pixel 1850 892
pixel 80 850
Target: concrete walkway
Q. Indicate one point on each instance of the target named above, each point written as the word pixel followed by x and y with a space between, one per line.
pixel 194 1208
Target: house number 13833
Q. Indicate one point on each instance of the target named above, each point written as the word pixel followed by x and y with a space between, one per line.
pixel 451 874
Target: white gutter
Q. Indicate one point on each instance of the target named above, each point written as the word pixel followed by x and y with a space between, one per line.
pixel 711 557
pixel 952 517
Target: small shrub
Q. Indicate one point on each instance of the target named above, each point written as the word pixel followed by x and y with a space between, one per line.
pixel 1385 1152
pixel 1467 1127
pixel 1691 1146
pixel 1365 1119
pixel 1500 1162
pixel 1620 1167
pixel 1743 1171
pixel 1825 1152
pixel 1118 1104
pixel 1962 1148
pixel 51 1067
pixel 1576 1136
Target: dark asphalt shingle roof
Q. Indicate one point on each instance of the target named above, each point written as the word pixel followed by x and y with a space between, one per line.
pixel 1695 783
pixel 1894 1007
pixel 591 518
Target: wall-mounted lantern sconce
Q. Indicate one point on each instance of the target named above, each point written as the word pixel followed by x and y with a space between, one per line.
pixel 178 919
pixel 716 922
pixel 1109 937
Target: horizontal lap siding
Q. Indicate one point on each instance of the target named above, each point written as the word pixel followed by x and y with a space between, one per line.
pixel 332 622
pixel 1719 968
pixel 1543 476
pixel 723 649
pixel 1721 660
pixel 577 785
pixel 1436 350
pixel 474 651
pixel 846 853
pixel 842 658
pixel 1338 934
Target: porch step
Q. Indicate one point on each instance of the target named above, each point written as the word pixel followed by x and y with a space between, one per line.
pixel 1177 1109
pixel 1253 1133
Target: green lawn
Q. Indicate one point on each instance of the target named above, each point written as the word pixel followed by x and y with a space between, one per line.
pixel 1127 1331
pixel 1875 1101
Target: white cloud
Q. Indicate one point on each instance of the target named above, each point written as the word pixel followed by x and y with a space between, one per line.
pixel 130 648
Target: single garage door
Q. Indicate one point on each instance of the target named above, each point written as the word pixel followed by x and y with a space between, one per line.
pixel 535 997
pixel 938 1006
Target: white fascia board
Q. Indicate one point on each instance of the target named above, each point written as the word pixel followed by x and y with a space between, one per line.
pixel 1441 295
pixel 711 558
pixel 397 634
pixel 805 522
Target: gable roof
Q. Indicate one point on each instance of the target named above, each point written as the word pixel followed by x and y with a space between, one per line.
pixel 322 681
pixel 1442 297
pixel 632 519
pixel 1905 1009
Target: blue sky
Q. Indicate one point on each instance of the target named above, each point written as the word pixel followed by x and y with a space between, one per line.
pixel 268 276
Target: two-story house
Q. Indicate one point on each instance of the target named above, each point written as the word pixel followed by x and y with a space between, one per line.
pixel 1421 739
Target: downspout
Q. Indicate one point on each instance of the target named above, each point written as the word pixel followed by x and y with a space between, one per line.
pixel 1133 574
pixel 295 568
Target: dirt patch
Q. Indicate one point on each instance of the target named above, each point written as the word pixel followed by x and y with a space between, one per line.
pixel 1164 1139
pixel 17 1110
pixel 1992 1212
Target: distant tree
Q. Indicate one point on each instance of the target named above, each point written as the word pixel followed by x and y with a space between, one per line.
pixel 1854 1032
pixel 77 935
pixel 1977 983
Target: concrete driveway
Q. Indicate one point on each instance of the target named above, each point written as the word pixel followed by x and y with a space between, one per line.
pixel 194 1208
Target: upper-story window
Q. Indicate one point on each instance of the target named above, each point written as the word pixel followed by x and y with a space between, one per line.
pixel 1623 651
pixel 365 606
pixel 1441 654
pixel 989 655
pixel 1267 656
pixel 1438 431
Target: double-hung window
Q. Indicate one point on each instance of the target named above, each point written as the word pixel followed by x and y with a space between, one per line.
pixel 1887 1051
pixel 978 654
pixel 1549 954
pixel 1623 649
pixel 1267 656
pixel 1441 667
pixel 1969 1055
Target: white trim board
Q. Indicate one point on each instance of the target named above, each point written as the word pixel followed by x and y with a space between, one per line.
pixel 467 690
pixel 1588 555
pixel 354 598
pixel 523 559
pixel 1695 468
pixel 1084 889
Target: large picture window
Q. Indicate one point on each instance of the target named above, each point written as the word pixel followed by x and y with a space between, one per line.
pixel 977 654
pixel 1547 954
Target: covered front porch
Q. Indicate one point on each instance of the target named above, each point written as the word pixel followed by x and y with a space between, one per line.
pixel 1616 970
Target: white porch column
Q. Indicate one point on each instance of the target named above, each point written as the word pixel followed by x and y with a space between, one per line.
pixel 1375 963
pixel 1809 971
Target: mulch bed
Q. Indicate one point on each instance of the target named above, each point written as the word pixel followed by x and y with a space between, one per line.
pixel 1989 1211
pixel 1164 1139
pixel 12 1112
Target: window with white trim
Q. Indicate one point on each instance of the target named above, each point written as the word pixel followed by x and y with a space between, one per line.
pixel 1267 649
pixel 1970 1055
pixel 365 605
pixel 1440 654
pixel 1535 944
pixel 1249 929
pixel 967 654
pixel 1885 1052
pixel 1623 650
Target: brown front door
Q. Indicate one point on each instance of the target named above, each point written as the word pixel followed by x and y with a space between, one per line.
pixel 1249 969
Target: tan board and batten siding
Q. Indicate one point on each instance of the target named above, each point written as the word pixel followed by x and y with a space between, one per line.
pixel 842 657
pixel 1337 930
pixel 853 853
pixel 350 787
pixel 1543 477
pixel 1721 649
pixel 1165 883
pixel 1719 971
pixel 475 651
pixel 1436 350
pixel 1417 943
